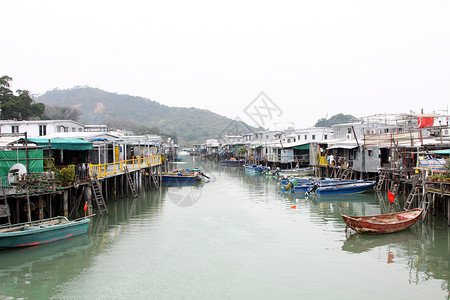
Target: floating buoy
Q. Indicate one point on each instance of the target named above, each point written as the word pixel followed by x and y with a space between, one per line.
pixel 294 206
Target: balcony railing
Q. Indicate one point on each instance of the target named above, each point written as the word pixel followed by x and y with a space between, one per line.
pixel 102 170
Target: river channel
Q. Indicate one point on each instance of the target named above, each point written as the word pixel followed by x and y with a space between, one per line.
pixel 235 237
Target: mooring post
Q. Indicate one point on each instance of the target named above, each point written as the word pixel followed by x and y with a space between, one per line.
pixel 41 208
pixel 88 199
pixel 66 203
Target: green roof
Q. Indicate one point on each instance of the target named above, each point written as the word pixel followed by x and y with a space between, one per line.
pixel 445 151
pixel 64 144
pixel 302 147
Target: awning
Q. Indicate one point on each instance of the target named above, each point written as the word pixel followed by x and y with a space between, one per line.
pixel 64 144
pixel 255 146
pixel 445 151
pixel 301 147
pixel 343 146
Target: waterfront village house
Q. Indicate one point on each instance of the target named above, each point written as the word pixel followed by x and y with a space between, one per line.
pixel 138 146
pixel 299 146
pixel 40 128
pixel 376 143
pixel 211 146
pixel 96 154
pixel 111 147
pixel 289 146
pixel 231 144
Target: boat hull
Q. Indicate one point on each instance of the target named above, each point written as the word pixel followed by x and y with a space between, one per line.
pixel 36 234
pixel 232 163
pixel 385 223
pixel 253 169
pixel 180 178
pixel 345 189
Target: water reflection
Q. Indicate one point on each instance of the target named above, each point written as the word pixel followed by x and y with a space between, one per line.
pixel 358 243
pixel 241 239
pixel 44 265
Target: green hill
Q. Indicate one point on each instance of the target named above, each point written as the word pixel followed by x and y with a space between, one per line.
pixel 100 107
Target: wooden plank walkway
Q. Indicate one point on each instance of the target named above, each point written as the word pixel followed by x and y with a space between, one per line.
pixel 117 168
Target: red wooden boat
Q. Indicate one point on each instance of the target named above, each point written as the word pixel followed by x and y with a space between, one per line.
pixel 386 223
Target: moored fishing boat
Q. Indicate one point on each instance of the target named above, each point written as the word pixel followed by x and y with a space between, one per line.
pixel 184 175
pixel 310 185
pixel 384 223
pixel 297 172
pixel 232 162
pixel 343 187
pixel 254 168
pixel 41 232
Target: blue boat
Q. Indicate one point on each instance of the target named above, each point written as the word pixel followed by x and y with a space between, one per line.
pixel 340 188
pixel 232 163
pixel 254 168
pixel 41 232
pixel 326 186
pixel 185 175
pixel 180 178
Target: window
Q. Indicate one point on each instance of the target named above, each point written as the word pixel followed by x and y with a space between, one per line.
pixel 370 152
pixel 299 137
pixel 325 137
pixel 349 130
pixel 66 129
pixel 313 136
pixel 73 129
pixel 306 137
pixel 15 128
pixel 42 130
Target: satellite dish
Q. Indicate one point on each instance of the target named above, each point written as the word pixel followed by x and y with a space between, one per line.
pixel 21 169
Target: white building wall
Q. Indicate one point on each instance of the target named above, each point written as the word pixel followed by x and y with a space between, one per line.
pixel 32 127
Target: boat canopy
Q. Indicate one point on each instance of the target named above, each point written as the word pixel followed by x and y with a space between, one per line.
pixel 64 144
pixel 445 151
pixel 343 146
pixel 302 147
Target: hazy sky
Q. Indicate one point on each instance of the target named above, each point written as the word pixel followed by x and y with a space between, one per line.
pixel 312 58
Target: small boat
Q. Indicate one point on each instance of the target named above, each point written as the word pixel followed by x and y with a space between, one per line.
pixel 41 232
pixel 186 176
pixel 232 162
pixel 342 187
pixel 385 223
pixel 254 168
pixel 297 172
pixel 301 186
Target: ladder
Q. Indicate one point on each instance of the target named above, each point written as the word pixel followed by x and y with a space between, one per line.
pixel 415 192
pixel 380 181
pixel 130 182
pixel 426 204
pixel 395 186
pixel 153 177
pixel 98 196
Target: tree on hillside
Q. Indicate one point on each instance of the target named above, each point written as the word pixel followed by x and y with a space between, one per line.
pixel 61 113
pixel 20 107
pixel 336 119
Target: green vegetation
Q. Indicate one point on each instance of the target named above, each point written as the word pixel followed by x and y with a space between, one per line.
pixel 20 106
pixel 334 120
pixel 144 116
pixel 61 113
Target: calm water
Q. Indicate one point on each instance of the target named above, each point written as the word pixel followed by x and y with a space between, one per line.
pixel 236 237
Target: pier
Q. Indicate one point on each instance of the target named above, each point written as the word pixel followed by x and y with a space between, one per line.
pixel 38 196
